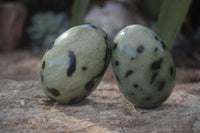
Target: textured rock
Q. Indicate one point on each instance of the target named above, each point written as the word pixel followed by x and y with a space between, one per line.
pixel 25 108
pixel 12 16
pixel 19 65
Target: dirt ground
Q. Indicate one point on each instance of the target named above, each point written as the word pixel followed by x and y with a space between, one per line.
pixel 25 108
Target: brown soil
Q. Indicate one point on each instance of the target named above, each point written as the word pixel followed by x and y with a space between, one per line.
pixel 25 108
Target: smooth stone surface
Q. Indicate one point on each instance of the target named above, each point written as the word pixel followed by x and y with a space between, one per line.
pixel 73 66
pixel 143 67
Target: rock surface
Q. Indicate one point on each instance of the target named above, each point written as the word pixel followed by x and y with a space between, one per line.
pixel 25 108
pixel 12 16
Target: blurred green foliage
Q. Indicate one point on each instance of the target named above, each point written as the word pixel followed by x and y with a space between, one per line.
pixel 47 27
pixel 170 14
pixel 28 3
pixel 48 19
pixel 79 10
pixel 171 17
pixel 150 8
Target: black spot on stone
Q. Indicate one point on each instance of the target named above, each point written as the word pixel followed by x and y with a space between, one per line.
pixel 140 49
pixel 163 99
pixel 116 63
pixel 42 77
pixel 117 78
pixel 53 91
pixel 132 93
pixel 43 65
pixel 163 45
pixel 132 58
pixel 171 71
pixel 128 73
pixel 106 37
pixel 156 49
pixel 107 40
pixel 84 68
pixel 51 46
pixel 153 77
pixel 161 85
pixel 74 100
pixel 72 63
pixel 135 85
pixel 147 98
pixel 156 65
pixel 89 86
pixel 92 26
pixel 114 46
pixel 156 38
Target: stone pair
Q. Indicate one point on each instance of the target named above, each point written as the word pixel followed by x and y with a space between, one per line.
pixel 74 64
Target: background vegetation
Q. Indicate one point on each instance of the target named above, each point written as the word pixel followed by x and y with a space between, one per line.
pixel 47 19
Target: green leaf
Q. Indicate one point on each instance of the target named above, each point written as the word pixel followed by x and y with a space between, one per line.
pixel 79 10
pixel 150 8
pixel 172 15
